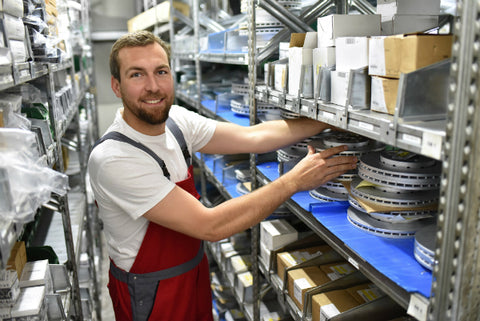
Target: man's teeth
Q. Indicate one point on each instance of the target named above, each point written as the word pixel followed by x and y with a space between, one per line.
pixel 152 101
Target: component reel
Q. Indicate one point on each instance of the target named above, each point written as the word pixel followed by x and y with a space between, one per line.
pixel 400 169
pixel 370 225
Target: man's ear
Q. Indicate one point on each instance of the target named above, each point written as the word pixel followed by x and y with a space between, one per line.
pixel 115 83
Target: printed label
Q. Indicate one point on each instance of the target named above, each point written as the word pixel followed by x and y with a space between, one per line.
pixel 298 286
pixel 328 311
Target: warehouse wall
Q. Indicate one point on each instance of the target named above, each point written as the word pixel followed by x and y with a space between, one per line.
pixel 109 20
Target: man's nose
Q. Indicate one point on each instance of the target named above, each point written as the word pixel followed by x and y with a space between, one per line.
pixel 152 83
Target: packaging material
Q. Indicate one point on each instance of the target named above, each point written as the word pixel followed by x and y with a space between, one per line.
pixel 158 14
pixel 351 53
pixel 37 273
pixel 346 25
pixel 244 286
pixel 13 7
pixel 30 304
pixel 283 50
pixel 303 279
pixel 30 182
pixel 291 258
pixel 329 304
pixel 18 258
pixel 389 8
pixel 276 233
pixel 237 264
pixel 9 287
pixel 300 57
pixel 324 57
pixel 280 76
pixel 389 56
pixel 384 94
pixel 339 87
pixel 401 24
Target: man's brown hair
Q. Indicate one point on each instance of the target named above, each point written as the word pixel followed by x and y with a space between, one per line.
pixel 133 39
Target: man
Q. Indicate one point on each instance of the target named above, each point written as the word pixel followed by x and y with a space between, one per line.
pixel 140 174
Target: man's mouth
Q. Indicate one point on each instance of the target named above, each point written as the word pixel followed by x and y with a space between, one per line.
pixel 152 101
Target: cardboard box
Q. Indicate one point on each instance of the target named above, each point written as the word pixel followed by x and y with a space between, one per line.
pixel 384 94
pixel 158 14
pixel 292 258
pixel 276 233
pixel 300 55
pixel 324 57
pixel 13 7
pixel 346 25
pixel 280 77
pixel 329 304
pixel 351 53
pixel 389 56
pixel 389 8
pixel 339 87
pixel 300 280
pixel 244 286
pixel 402 24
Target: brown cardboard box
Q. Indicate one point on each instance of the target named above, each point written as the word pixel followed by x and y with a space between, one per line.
pixel 328 304
pixel 392 55
pixel 300 280
pixel 384 94
pixel 291 258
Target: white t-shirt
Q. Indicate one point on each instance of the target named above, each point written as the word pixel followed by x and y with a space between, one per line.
pixel 127 182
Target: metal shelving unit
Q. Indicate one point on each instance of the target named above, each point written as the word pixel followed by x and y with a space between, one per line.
pixel 454 289
pixel 63 221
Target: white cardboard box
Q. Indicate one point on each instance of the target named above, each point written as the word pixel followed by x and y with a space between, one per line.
pixel 299 58
pixel 399 24
pixel 277 233
pixel 280 77
pixel 388 8
pixel 351 53
pixel 339 87
pixel 346 25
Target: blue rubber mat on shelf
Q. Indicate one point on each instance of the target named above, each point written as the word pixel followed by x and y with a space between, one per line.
pixel 392 257
pixel 226 113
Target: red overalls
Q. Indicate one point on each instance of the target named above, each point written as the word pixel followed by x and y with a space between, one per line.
pixel 169 279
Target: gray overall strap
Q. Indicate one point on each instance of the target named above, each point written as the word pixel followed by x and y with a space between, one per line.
pixel 143 287
pixel 177 133
pixel 123 138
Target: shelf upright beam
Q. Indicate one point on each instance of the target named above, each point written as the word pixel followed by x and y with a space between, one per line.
pixel 252 79
pixel 456 276
pixel 63 200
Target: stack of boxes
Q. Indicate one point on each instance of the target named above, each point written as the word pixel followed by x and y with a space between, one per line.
pixel 13 30
pixel 378 47
pixel 24 286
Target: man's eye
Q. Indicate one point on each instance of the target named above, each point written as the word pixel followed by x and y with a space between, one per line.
pixel 162 72
pixel 135 74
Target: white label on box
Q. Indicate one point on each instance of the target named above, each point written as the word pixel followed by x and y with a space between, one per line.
pixel 340 270
pixel 239 264
pixel 300 285
pixel 431 145
pixel 370 294
pixel 328 311
pixel 246 279
pixel 418 307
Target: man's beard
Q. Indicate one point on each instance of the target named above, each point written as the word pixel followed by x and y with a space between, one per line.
pixel 154 117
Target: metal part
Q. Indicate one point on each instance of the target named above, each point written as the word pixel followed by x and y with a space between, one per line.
pixel 384 229
pixel 396 216
pixel 324 194
pixel 388 196
pixel 372 169
pixel 424 248
pixel 284 16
